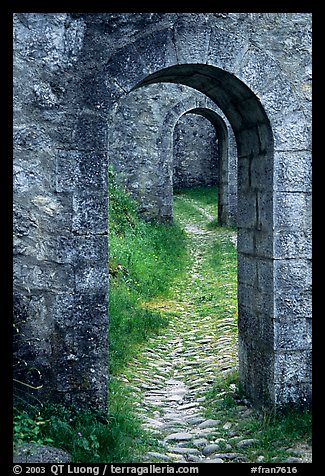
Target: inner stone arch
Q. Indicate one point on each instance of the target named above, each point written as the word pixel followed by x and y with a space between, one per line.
pixel 226 160
pixel 254 140
pixel 141 146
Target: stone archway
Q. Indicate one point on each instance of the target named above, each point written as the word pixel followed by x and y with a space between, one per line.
pixel 195 152
pixel 141 147
pixel 227 150
pixel 262 356
pixel 255 218
pixel 61 203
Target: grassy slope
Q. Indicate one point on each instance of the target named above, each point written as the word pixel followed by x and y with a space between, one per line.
pixel 145 261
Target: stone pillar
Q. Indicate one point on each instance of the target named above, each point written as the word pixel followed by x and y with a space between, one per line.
pixel 292 277
pixel 60 217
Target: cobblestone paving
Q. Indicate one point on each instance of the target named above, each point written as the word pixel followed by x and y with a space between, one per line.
pixel 170 377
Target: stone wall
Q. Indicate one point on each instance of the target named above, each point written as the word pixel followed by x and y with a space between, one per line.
pixel 195 157
pixel 60 214
pixel 142 149
pixel 75 77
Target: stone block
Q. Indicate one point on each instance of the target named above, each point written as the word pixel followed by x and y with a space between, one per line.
pixel 164 41
pixel 247 269
pixel 293 244
pixel 292 131
pixel 44 276
pixel 265 275
pixel 261 173
pixel 91 308
pixel 97 92
pixel 247 210
pixel 91 132
pixel 92 171
pixel 259 71
pixel 293 275
pixel 50 214
pixel 244 174
pixel 290 367
pixel 298 393
pixel 248 142
pixel 293 171
pixel 65 249
pixel 248 320
pixel 257 324
pixel 256 371
pixel 90 212
pixel 192 44
pixel 255 121
pixel 230 57
pixel 246 241
pixel 92 248
pixel 81 249
pixel 264 243
pixel 91 278
pixel 292 211
pixel 63 310
pixel 292 334
pixel 31 137
pixel 33 172
pixel 80 347
pixel 254 299
pixel 50 39
pixel 67 163
pixel 293 305
pixel 264 206
pixel 125 68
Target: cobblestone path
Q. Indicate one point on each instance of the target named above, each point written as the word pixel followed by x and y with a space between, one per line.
pixel 169 379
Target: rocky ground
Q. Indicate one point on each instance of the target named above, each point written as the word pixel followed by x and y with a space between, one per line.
pixel 170 378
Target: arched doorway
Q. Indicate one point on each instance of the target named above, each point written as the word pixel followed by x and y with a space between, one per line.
pixel 258 360
pixel 270 121
pixel 195 154
pixel 227 163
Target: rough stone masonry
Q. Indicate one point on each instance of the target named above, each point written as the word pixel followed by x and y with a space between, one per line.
pixel 75 76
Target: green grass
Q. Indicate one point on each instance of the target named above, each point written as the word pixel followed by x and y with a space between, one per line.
pixel 90 436
pixel 145 259
pixel 204 196
pixel 274 431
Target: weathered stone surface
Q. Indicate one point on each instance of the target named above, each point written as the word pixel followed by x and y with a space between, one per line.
pixel 179 437
pixel 75 98
pixel 210 449
pixel 209 424
pixel 195 152
pixel 32 453
pixel 184 450
pixel 246 442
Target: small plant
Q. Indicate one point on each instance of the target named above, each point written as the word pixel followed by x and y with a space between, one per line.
pixel 29 430
pixel 27 379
